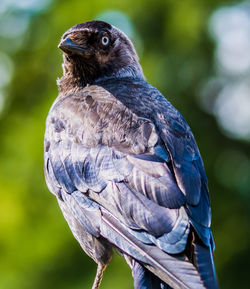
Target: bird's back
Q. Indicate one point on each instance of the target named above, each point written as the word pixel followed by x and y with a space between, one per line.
pixel 126 169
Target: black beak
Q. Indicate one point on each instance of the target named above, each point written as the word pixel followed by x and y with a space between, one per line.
pixel 68 46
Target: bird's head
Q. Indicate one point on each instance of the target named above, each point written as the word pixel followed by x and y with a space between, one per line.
pixel 94 50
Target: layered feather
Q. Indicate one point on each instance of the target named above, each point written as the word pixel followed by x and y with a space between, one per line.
pixel 133 176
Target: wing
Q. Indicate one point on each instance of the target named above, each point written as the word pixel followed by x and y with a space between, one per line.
pixel 178 141
pixel 124 178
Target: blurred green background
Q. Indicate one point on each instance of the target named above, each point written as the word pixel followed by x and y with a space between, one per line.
pixel 197 53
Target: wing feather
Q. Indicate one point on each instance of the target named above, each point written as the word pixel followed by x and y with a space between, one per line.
pixel 143 172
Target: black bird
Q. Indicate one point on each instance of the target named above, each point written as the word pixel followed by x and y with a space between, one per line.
pixel 125 167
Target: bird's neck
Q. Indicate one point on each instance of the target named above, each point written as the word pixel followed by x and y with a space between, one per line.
pixel 130 71
pixel 76 76
pixel 68 84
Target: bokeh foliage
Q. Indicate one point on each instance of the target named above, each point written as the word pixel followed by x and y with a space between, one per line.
pixel 37 249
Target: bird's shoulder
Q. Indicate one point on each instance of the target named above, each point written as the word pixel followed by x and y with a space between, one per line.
pixel 94 115
pixel 145 101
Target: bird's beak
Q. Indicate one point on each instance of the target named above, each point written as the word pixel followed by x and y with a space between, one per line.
pixel 68 46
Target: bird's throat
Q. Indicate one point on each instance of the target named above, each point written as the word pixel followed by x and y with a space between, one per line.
pixel 76 75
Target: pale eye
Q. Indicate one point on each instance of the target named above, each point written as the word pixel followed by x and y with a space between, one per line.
pixel 105 40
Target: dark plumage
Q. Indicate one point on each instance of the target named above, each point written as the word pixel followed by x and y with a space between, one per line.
pixel 125 167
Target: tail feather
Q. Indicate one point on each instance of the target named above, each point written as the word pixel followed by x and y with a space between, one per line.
pixel 143 278
pixel 174 270
pixel 204 262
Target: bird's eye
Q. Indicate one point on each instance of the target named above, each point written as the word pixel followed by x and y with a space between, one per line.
pixel 105 40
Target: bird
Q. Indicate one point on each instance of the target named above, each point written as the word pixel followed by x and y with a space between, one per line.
pixel 125 167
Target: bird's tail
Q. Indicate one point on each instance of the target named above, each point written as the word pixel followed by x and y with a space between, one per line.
pixel 143 278
pixel 174 270
pixel 202 257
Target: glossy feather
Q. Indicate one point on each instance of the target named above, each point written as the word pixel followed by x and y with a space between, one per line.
pixel 125 166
